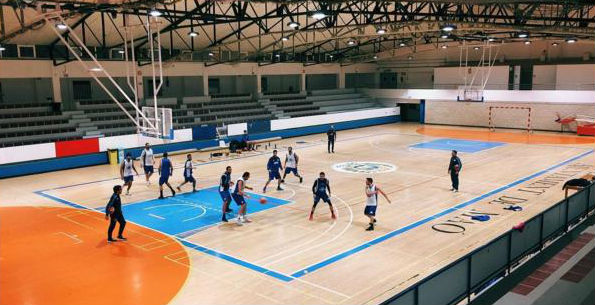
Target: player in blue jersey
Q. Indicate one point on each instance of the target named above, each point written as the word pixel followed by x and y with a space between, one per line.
pixel 274 167
pixel 188 169
pixel 239 196
pixel 321 185
pixel 224 185
pixel 165 171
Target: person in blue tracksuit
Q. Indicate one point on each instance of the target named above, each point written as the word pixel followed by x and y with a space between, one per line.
pixel 113 212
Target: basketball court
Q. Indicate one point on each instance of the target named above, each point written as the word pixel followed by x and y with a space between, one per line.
pixel 406 87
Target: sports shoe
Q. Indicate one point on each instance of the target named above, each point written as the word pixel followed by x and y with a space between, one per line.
pixel 456 191
pixel 311 217
pixel 282 180
pixel 374 220
pixel 452 190
pixel 161 197
pixel 333 216
pixel 239 222
pixel 111 240
pixel 127 193
pixel 279 188
pixel 224 219
pixel 229 210
pixel 370 228
pixel 264 189
pixel 301 179
pixel 173 194
pixel 122 238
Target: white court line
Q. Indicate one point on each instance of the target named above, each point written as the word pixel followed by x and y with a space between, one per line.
pixel 156 216
pixel 325 242
pixel 71 236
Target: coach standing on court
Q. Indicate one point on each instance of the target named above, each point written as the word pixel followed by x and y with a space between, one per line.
pixel 454 167
pixel 113 212
pixel 332 136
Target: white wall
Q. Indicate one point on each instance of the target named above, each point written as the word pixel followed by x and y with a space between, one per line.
pixel 575 77
pixel 544 77
pixel 27 152
pixel 333 118
pixel 521 96
pixel 453 77
pixel 135 140
pixel 477 114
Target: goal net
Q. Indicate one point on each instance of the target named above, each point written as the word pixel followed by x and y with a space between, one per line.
pixel 516 117
pixel 163 122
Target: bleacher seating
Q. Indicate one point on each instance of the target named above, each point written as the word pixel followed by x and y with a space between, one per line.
pixel 23 124
pixel 316 103
pixel 37 123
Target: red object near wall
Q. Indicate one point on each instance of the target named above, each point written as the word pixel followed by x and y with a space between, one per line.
pixel 77 147
pixel 585 130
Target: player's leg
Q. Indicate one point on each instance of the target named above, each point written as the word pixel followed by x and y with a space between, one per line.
pixel 329 146
pixel 295 173
pixel 161 182
pixel 455 184
pixel 173 193
pixel 224 210
pixel 122 222
pixel 179 187
pixel 110 230
pixel 330 206
pixel 333 146
pixel 278 177
pixel 285 171
pixel 264 189
pixel 316 200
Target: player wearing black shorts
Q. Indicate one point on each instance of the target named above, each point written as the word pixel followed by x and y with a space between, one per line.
pixel 188 169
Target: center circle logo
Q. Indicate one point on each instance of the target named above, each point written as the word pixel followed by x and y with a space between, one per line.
pixel 364 167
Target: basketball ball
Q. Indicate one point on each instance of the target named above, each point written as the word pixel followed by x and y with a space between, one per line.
pixel 262 200
pixel 457 167
pixel 112 210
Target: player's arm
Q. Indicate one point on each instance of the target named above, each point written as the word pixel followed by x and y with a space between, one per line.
pixel 314 186
pixel 122 170
pixel 109 205
pixel 270 164
pixel 143 155
pixel 159 168
pixel 134 168
pixel 383 194
pixel 297 159
pixel 280 166
pixel 285 163
pixel 328 186
pixel 460 164
pixel 171 169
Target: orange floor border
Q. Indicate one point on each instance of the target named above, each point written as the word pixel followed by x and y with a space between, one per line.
pixel 503 136
pixel 55 255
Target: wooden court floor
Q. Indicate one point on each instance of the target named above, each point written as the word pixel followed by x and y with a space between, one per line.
pixel 53 248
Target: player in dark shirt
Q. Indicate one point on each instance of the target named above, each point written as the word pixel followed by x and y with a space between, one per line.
pixel 274 166
pixel 454 168
pixel 113 212
pixel 321 185
pixel 224 185
pixel 332 136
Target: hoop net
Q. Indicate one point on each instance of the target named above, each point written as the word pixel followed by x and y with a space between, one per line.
pixel 510 117
pixel 470 93
pixel 163 123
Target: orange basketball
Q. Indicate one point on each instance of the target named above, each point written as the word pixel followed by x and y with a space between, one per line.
pixel 112 210
pixel 262 200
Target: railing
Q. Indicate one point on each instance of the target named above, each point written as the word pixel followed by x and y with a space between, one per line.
pixel 471 274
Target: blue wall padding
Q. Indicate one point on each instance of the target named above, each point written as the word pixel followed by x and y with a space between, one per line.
pixel 53 164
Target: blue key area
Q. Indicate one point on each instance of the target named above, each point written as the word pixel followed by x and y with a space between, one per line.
pixel 465 146
pixel 188 213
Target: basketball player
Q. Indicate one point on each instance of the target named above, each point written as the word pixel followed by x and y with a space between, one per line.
pixel 165 171
pixel 291 162
pixel 113 212
pixel 454 167
pixel 147 160
pixel 274 166
pixel 332 136
pixel 372 201
pixel 126 169
pixel 224 185
pixel 188 168
pixel 239 196
pixel 319 189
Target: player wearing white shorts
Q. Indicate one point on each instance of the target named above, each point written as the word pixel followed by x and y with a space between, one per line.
pixel 126 174
pixel 372 201
pixel 291 163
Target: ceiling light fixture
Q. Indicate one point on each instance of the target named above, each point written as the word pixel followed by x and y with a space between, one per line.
pixel 154 12
pixel 319 15
pixel 61 26
pixel 380 31
pixel 449 27
pixel 571 40
pixel 285 38
pixel 523 35
pixel 528 42
pixel 293 24
pixel 193 34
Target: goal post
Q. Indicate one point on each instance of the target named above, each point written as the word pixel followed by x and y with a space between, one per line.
pixel 513 114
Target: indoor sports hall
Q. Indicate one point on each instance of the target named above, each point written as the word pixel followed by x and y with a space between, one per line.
pixel 297 152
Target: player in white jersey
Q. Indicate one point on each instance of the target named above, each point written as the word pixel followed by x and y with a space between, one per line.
pixel 291 163
pixel 372 201
pixel 147 160
pixel 126 169
pixel 188 168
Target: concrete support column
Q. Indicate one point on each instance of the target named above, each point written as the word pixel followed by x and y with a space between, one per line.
pixel 341 79
pixel 303 81
pixel 56 87
pixel 258 84
pixel 205 83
